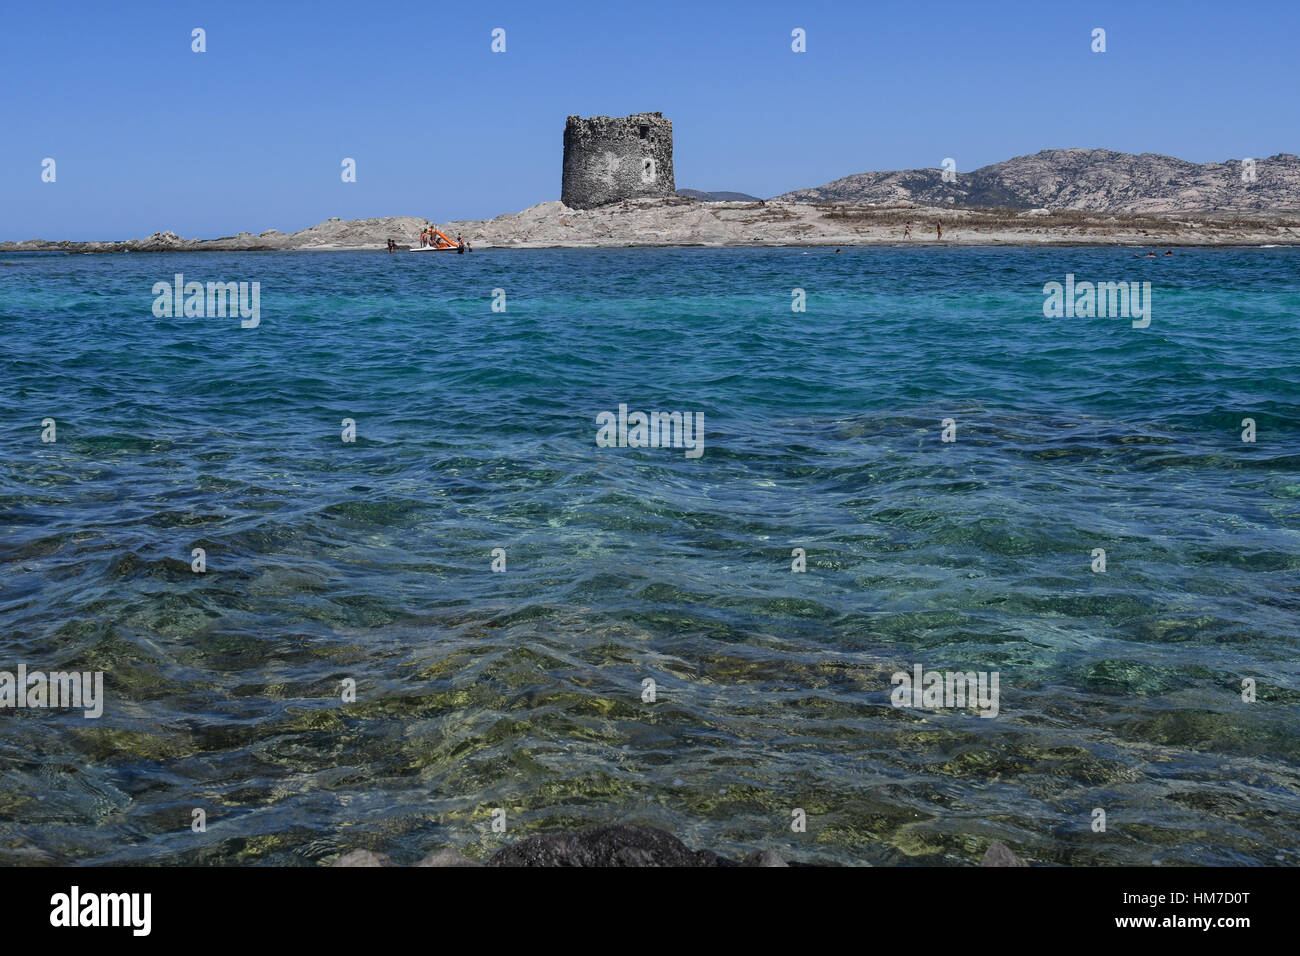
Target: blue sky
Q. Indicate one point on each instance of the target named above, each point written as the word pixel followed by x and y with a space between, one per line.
pixel 149 135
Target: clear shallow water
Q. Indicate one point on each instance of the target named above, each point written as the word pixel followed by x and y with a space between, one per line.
pixel 521 690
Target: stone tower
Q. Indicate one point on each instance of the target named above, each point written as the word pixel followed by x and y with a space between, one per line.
pixel 608 158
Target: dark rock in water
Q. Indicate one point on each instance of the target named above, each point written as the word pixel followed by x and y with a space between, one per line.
pixel 447 857
pixel 363 858
pixel 764 858
pixel 998 855
pixel 618 845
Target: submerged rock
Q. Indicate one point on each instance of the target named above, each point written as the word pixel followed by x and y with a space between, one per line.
pixel 363 858
pixel 999 855
pixel 618 845
pixel 447 857
pixel 764 858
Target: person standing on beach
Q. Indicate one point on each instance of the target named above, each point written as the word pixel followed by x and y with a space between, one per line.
pixel 939 227
pixel 907 231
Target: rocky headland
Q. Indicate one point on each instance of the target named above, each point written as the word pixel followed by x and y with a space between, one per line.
pixel 690 222
pixel 1054 197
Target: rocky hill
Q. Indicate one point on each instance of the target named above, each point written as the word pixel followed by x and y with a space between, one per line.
pixel 677 221
pixel 1097 180
pixel 722 196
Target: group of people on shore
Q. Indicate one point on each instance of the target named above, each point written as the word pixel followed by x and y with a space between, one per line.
pixel 430 236
pixel 938 228
pixel 939 234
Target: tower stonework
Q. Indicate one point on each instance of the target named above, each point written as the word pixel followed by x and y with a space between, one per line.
pixel 609 158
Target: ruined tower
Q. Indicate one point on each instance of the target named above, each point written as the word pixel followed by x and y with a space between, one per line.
pixel 608 158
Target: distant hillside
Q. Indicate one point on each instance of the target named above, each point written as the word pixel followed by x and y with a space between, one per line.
pixel 1098 180
pixel 716 197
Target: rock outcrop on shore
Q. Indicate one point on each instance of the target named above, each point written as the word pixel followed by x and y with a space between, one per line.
pixel 1097 180
pixel 616 845
pixel 677 221
pixel 329 235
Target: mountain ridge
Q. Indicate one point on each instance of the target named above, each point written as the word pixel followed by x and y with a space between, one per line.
pixel 1094 180
pixel 716 196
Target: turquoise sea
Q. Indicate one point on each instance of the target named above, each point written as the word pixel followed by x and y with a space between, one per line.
pixel 371 561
